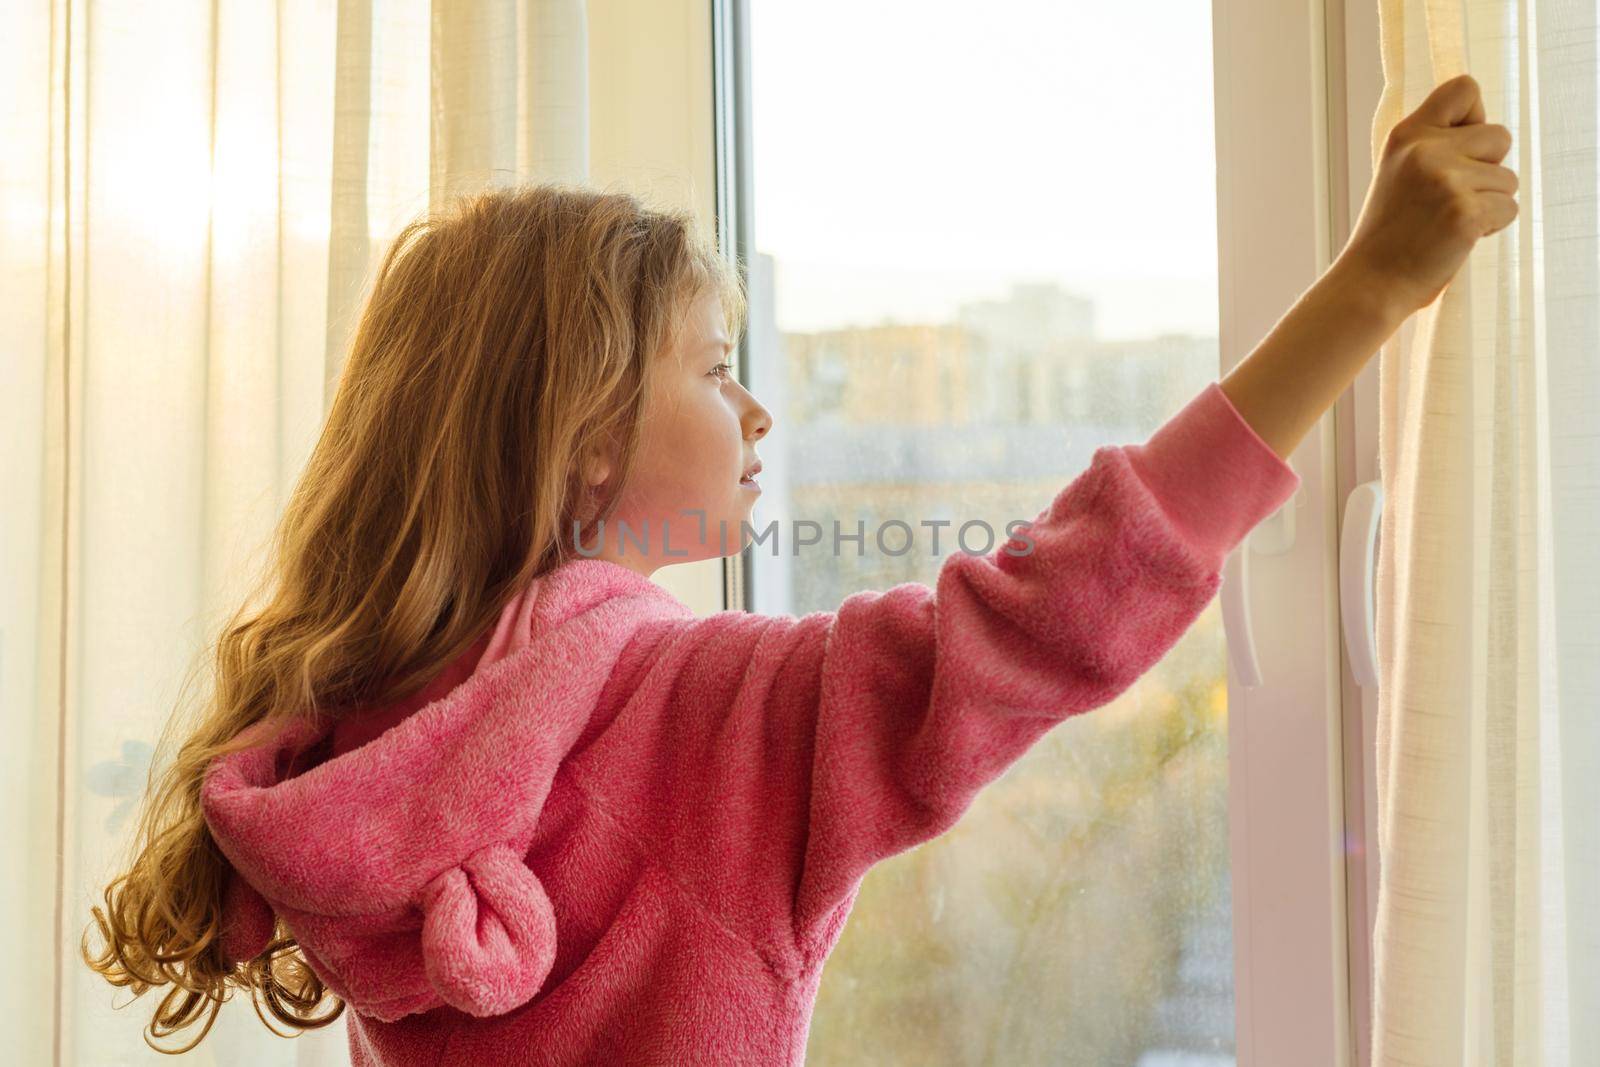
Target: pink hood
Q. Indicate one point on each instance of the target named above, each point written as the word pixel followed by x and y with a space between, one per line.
pixel 353 834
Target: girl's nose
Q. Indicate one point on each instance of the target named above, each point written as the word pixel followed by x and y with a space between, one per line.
pixel 757 420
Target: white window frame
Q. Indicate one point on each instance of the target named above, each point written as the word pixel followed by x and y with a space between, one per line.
pixel 1295 86
pixel 1355 85
pixel 650 133
pixel 1293 161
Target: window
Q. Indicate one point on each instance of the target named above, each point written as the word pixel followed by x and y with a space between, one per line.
pixel 950 313
pixel 1182 877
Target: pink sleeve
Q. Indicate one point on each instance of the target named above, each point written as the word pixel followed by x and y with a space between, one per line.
pixel 775 759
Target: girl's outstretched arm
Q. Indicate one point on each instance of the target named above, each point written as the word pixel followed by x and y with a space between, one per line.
pixel 1313 353
pixel 770 761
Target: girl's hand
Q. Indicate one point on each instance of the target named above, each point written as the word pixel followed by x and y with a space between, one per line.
pixel 1438 189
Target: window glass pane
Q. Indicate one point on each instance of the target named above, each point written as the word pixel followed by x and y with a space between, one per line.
pixel 985 245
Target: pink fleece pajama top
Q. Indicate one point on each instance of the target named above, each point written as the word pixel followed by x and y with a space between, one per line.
pixel 615 832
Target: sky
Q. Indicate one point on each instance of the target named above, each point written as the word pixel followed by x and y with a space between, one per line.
pixel 909 156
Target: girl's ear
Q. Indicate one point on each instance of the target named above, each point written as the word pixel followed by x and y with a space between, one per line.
pixel 601 457
pixel 595 472
pixel 596 469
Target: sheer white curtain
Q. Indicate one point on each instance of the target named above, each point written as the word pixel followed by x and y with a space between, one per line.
pixel 1487 945
pixel 194 196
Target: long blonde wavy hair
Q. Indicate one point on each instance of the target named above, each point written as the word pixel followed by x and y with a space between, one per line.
pixel 507 335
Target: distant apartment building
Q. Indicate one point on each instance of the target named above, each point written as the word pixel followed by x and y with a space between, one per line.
pixel 984 418
pixel 1030 359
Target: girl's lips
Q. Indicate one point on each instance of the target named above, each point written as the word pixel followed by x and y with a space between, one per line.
pixel 750 483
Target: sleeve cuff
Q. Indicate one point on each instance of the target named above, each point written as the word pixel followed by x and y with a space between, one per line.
pixel 1212 474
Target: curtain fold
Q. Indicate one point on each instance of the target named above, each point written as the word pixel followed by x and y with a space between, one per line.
pixel 194 198
pixel 1487 941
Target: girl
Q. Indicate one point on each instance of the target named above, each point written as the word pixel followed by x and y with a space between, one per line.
pixel 471 772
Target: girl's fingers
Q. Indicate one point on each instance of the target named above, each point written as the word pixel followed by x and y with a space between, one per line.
pixel 1489 177
pixel 1488 141
pixel 1498 212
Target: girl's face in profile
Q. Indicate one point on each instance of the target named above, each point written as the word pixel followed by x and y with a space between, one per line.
pixel 699 438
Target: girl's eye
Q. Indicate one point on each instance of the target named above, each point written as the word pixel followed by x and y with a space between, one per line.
pixel 723 370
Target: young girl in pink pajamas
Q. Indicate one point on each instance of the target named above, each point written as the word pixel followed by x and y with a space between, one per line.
pixel 515 803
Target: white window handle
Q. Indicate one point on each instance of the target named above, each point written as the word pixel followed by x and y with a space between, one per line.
pixel 1236 617
pixel 1273 536
pixel 1358 557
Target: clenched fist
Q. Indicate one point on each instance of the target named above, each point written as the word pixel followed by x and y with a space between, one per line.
pixel 1438 189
